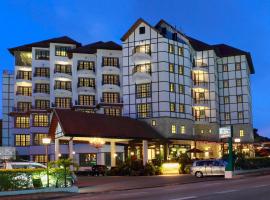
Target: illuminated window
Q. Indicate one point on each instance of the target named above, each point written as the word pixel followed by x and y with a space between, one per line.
pixel 227 116
pixel 210 130
pixel 42 104
pixel 87 159
pixel 202 131
pixel 172 88
pixel 144 68
pixel 110 61
pixel 66 69
pixel 24 106
pixel 144 110
pixel 40 158
pixel 173 129
pixel 112 111
pixel 225 68
pixel 226 99
pixel 171 48
pixel 38 138
pixel 42 88
pixel 239 99
pixel 110 97
pixel 41 54
pixel 154 123
pixel 22 122
pixel 241 133
pixel 24 91
pixel 181 108
pixel 182 129
pixel 22 140
pixel 171 67
pixel 240 115
pixel 172 107
pixel 238 82
pixel 181 88
pixel 142 49
pixel 61 50
pixel 40 120
pixel 181 69
pixel 42 72
pixel 180 51
pixel 26 75
pixel 63 85
pixel 225 83
pixel 143 90
pixel 86 82
pixel 110 79
pixel 142 30
pixel 86 65
pixel 62 102
pixel 238 66
pixel 86 100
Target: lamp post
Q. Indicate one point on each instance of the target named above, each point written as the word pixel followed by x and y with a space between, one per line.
pixel 46 142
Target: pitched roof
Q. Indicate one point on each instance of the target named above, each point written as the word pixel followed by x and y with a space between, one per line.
pixel 92 48
pixel 82 124
pixel 44 44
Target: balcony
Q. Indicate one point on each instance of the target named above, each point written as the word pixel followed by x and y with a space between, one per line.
pixel 42 75
pixel 200 69
pixel 141 54
pixel 142 73
pixel 200 103
pixel 200 86
pixel 62 74
pixel 111 101
pixel 24 78
pixel 63 88
pixel 21 110
pixel 201 119
pixel 84 89
pixel 92 104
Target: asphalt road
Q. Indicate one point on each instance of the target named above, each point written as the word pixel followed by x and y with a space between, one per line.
pixel 250 188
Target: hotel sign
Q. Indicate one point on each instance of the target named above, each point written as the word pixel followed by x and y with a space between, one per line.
pixel 225 132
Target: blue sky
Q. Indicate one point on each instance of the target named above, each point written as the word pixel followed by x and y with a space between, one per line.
pixel 240 23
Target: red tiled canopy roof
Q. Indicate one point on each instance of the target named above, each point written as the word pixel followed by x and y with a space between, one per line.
pixel 82 124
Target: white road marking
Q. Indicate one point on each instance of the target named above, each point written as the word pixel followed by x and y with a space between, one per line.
pixel 258 186
pixel 132 193
pixel 226 191
pixel 184 198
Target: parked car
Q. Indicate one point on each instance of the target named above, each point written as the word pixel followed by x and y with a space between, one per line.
pixel 98 170
pixel 203 168
pixel 22 165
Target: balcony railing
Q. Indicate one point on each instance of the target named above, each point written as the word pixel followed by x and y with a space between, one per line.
pixel 200 101
pixel 111 82
pixel 42 91
pixel 39 75
pixel 85 68
pixel 24 93
pixel 201 118
pixel 200 83
pixel 142 68
pixel 63 88
pixel 17 109
pixel 111 101
pixel 92 103
pixel 63 72
pixel 90 86
pixel 142 49
pixel 29 78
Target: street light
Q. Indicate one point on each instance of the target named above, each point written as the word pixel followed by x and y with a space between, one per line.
pixel 46 142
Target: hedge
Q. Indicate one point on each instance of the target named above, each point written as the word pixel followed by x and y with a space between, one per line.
pixel 252 163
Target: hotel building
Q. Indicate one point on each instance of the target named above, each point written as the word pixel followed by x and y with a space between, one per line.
pixel 181 87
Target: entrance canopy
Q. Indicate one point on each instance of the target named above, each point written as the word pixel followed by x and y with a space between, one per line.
pixel 81 124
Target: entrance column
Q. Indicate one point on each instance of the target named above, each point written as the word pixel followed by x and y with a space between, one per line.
pixel 145 151
pixel 113 152
pixel 56 149
pixel 70 148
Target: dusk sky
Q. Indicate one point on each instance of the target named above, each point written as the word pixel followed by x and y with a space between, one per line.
pixel 243 24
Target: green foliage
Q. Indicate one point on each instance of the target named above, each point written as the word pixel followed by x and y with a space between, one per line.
pixel 252 163
pixel 184 161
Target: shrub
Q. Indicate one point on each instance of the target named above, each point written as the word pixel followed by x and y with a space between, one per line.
pixel 252 163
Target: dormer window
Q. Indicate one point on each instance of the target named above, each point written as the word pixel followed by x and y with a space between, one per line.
pixel 142 30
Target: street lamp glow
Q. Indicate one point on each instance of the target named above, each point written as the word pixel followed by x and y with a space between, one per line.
pixel 46 140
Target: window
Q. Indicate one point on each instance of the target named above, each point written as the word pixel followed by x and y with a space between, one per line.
pixel 86 65
pixel 110 79
pixel 40 158
pixel 174 36
pixel 26 75
pixel 241 133
pixel 143 90
pixel 145 68
pixel 201 96
pixel 23 106
pixel 41 54
pixel 238 82
pixel 225 68
pixel 154 122
pixel 237 66
pixel 40 120
pixel 180 51
pixel 110 61
pixel 22 140
pixel 87 159
pixel 142 30
pixel 38 138
pixel 226 99
pixel 24 91
pixel 65 69
pixel 182 129
pixel 86 100
pixel 181 69
pixel 227 116
pixel 172 88
pixel 239 99
pixel 225 83
pixel 144 110
pixel 110 97
pixel 62 102
pixel 202 131
pixel 61 50
pixel 173 129
pixel 62 85
pixel 42 72
pixel 181 108
pixel 172 107
pixel 42 88
pixel 42 104
pixel 240 115
pixel 142 49
pixel 86 82
pixel 171 67
pixel 22 122
pixel 112 111
pixel 181 88
pixel 171 48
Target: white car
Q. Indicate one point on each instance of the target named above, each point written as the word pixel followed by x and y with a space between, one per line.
pixel 22 165
pixel 203 168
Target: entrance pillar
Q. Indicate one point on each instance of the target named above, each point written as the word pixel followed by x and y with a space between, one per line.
pixel 145 151
pixel 113 152
pixel 70 148
pixel 56 149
